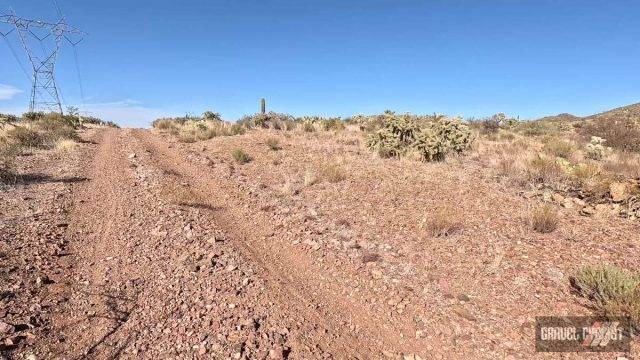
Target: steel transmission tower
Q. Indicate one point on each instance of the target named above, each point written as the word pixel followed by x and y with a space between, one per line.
pixel 44 90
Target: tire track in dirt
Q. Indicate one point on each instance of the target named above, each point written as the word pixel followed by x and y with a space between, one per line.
pixel 322 302
pixel 135 293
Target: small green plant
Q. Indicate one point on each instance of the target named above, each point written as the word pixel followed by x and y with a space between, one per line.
pixel 544 219
pixel 273 144
pixel 614 291
pixel 240 156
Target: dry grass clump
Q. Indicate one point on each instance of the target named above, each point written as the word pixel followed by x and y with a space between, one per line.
pixel 544 219
pixel 443 221
pixel 545 170
pixel 66 145
pixel 614 291
pixel 559 147
pixel 273 144
pixel 623 165
pixel 240 156
pixel 333 172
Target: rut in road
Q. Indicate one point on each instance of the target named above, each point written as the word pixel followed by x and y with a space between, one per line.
pixel 292 274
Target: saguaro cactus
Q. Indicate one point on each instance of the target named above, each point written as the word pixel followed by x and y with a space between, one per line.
pixel 263 106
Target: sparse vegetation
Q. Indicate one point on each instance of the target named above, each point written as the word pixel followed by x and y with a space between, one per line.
pixel 443 221
pixel 614 291
pixel 620 133
pixel 190 129
pixel 333 172
pixel 544 219
pixel 240 156
pixel 273 144
pixel 559 147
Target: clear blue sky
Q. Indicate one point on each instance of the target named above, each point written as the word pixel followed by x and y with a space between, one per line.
pixel 532 58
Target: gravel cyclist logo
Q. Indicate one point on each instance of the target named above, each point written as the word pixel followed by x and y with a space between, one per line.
pixel 588 334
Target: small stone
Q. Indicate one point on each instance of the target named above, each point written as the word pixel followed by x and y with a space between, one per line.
pixel 132 156
pixel 618 191
pixel 558 198
pixel 420 334
pixel 588 210
pixel 377 274
pixel 6 328
pixel 276 353
pixel 463 297
pixel 463 312
pixel 231 306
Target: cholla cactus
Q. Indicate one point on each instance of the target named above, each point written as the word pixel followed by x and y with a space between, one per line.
pixel 426 138
pixel 596 149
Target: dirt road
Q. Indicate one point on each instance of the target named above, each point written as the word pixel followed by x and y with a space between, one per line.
pixel 175 251
pixel 171 261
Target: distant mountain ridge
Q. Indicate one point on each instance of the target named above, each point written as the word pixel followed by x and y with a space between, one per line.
pixel 624 112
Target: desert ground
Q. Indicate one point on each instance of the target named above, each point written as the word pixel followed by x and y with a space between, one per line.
pixel 303 243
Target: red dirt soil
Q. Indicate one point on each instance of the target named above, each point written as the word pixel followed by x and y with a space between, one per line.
pixel 173 250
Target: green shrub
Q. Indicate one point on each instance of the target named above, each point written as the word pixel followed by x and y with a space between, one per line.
pixel 240 156
pixel 614 291
pixel 424 138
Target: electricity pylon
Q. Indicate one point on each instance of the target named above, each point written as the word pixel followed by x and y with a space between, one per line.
pixel 44 90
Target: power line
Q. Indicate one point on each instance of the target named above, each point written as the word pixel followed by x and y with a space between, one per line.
pixel 58 9
pixel 15 56
pixel 75 55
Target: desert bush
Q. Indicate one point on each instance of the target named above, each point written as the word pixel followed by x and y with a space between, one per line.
pixel 212 116
pixel 424 138
pixel 559 147
pixel 273 144
pixel 332 124
pixel 163 124
pixel 622 134
pixel 190 130
pixel 538 128
pixel 33 115
pixel 25 136
pixel 270 120
pixel 544 219
pixel 543 169
pixel 240 156
pixel 614 291
pixel 8 119
pixel 308 126
pixel 53 129
pixel 444 221
pixel 596 149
